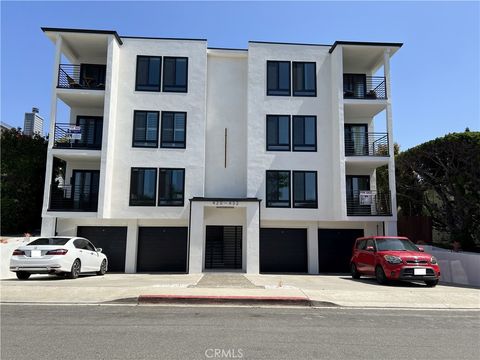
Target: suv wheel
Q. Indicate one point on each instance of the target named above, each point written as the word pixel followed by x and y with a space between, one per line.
pixel 354 271
pixel 431 283
pixel 380 275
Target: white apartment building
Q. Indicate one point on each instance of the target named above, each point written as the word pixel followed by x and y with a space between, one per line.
pixel 177 157
pixel 33 123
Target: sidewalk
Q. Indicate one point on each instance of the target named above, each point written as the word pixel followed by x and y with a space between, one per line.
pixel 316 290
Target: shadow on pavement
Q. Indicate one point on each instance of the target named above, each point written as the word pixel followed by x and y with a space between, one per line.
pixel 373 282
pixel 34 278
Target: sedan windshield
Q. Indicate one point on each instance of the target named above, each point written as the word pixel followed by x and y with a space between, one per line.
pixel 395 244
pixel 50 241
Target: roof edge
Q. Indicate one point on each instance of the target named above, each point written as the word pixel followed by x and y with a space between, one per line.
pixel 364 43
pixel 85 31
pixel 285 43
pixel 160 38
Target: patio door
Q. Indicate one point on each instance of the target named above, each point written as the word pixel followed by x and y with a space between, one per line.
pixel 355 185
pixel 85 189
pixel 356 140
pixel 91 128
pixel 355 85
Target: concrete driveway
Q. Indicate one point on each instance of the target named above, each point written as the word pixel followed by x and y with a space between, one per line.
pixel 340 290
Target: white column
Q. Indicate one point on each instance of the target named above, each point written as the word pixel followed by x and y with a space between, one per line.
pixel 312 248
pixel 48 226
pixel 253 238
pixel 196 237
pixel 132 245
pixel 390 228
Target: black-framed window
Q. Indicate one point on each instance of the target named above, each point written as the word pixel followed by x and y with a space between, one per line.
pixel 278 132
pixel 304 79
pixel 148 73
pixel 175 74
pixel 174 129
pixel 304 133
pixel 171 187
pixel 143 186
pixel 278 78
pixel 278 188
pixel 145 129
pixel 305 189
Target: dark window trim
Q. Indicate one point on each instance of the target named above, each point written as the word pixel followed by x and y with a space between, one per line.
pixel 316 189
pixel 159 73
pixel 289 77
pixel 185 131
pixel 293 78
pixel 158 180
pixel 186 75
pixel 289 132
pixel 303 135
pixel 131 178
pixel 133 133
pixel 289 189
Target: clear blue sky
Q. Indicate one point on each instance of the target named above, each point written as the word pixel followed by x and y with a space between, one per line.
pixel 435 75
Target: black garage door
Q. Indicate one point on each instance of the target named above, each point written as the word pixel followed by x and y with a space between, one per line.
pixel 335 249
pixel 162 249
pixel 112 240
pixel 283 251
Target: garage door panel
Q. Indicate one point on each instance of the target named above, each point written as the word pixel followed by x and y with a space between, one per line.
pixel 112 240
pixel 283 250
pixel 162 249
pixel 335 249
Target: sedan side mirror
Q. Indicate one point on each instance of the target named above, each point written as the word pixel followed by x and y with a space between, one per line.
pixel 421 249
pixel 99 250
pixel 370 248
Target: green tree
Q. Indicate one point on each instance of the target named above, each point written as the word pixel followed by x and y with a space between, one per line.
pixel 22 181
pixel 441 179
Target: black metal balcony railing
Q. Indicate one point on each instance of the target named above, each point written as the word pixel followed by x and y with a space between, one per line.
pixel 357 86
pixel 73 198
pixel 369 203
pixel 75 77
pixel 366 144
pixel 70 136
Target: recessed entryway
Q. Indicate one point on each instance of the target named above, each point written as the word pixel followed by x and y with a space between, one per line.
pixel 223 247
pixel 335 249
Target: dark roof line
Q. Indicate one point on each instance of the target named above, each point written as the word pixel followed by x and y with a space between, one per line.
pixel 285 43
pixel 159 38
pixel 199 198
pixel 223 48
pixel 363 43
pixel 85 31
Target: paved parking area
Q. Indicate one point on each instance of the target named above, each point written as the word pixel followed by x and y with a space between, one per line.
pixel 340 289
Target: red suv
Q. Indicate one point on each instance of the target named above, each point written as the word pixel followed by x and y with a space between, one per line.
pixel 393 258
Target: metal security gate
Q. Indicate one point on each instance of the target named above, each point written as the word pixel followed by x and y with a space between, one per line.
pixel 335 249
pixel 223 247
pixel 112 240
pixel 283 251
pixel 162 249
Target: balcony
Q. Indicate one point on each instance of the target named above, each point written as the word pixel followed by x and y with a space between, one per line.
pixel 369 203
pixel 360 143
pixel 87 134
pixel 80 198
pixel 360 86
pixel 83 76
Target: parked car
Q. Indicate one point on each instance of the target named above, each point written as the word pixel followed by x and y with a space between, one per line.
pixel 68 256
pixel 393 258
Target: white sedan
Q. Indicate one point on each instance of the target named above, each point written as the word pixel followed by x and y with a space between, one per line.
pixel 58 255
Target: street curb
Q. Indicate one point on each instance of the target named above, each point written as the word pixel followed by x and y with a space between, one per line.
pixel 229 300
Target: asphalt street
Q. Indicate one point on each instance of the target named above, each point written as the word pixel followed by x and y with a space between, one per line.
pixel 160 332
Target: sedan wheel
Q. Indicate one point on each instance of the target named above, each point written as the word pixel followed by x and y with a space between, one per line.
pixel 23 275
pixel 380 275
pixel 75 270
pixel 354 271
pixel 103 268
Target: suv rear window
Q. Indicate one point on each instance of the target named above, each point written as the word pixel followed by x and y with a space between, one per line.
pixel 50 241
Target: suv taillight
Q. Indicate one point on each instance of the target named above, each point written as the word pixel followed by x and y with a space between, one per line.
pixel 17 252
pixel 57 252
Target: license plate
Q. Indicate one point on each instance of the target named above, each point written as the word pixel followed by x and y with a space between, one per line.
pixel 419 271
pixel 35 253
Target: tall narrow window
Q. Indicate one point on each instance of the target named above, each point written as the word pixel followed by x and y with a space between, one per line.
pixel 278 132
pixel 304 79
pixel 171 187
pixel 304 133
pixel 174 126
pixel 305 189
pixel 148 73
pixel 278 78
pixel 143 184
pixel 175 74
pixel 145 129
pixel 278 188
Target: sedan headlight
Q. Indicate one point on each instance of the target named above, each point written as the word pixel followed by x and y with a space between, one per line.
pixel 392 259
pixel 433 260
